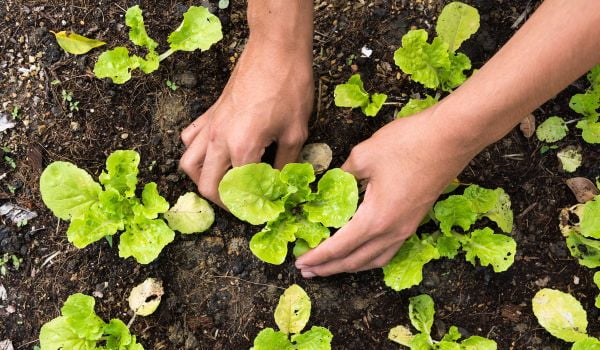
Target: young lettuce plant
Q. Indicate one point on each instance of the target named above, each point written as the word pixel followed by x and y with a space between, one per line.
pixel 79 327
pixel 291 316
pixel 96 212
pixel 259 194
pixel 421 311
pixel 587 104
pixel 199 30
pixel 353 94
pixel 563 317
pixel 498 250
pixel 438 65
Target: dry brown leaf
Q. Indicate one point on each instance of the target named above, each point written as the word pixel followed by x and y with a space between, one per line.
pixel 583 189
pixel 527 126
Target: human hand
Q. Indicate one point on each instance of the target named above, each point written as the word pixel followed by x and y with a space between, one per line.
pixel 407 163
pixel 268 99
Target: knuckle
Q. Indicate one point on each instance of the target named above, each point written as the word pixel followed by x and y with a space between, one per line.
pixel 381 261
pixel 186 163
pixel 207 191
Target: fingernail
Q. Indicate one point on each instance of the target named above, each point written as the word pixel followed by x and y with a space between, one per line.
pixel 308 274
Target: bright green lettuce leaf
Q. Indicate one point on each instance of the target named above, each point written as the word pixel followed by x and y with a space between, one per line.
pixel 406 268
pixel 336 199
pixel 153 202
pixel 452 335
pixel 478 343
pixel 269 339
pixel 414 106
pixel 115 207
pixel 200 29
pixel 585 249
pixel 552 129
pixel 148 64
pixel 58 335
pixel 144 239
pixel 300 248
pixel 373 107
pixel 190 214
pixel 67 190
pixel 421 311
pixel 447 246
pixel 421 341
pixel 137 32
pixel 455 211
pixel 594 77
pixel 422 60
pixel 570 158
pixel 270 244
pixel 253 193
pixel 491 249
pixel 457 23
pixel 79 314
pixel 122 172
pixel 91 227
pixel 115 64
pixel 317 338
pixel 312 233
pixel 597 283
pixel 586 104
pixel 590 219
pixel 293 311
pixel 501 213
pixel 298 176
pixel 483 199
pixel 446 345
pixel 560 314
pixel 454 76
pixel 118 335
pixel 76 44
pixel 401 335
pixel 590 130
pixel 590 343
pixel 352 94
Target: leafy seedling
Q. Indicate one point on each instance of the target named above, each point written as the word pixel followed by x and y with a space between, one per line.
pixel 563 317
pixel 67 97
pixel 171 85
pixel 76 44
pixel 415 105
pixel 353 95
pixel 437 64
pixel 588 104
pixel 570 158
pixel 498 250
pixel 421 311
pixel 15 112
pixel 291 316
pixel 580 225
pixel 96 212
pixel 552 129
pixel 11 162
pixel 199 31
pixel 79 327
pixel 7 260
pixel 258 194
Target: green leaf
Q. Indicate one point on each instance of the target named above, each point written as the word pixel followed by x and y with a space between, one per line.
pixel 447 246
pixel 76 44
pixel 590 130
pixel 148 64
pixel 454 76
pixel 597 283
pixel 58 335
pixel 491 249
pixel 570 158
pixel 336 199
pixel 300 248
pixel 317 338
pixel 446 345
pixel 401 335
pixel 457 23
pixel 502 213
pixel 312 233
pixel 190 214
pixel 293 311
pixel 452 335
pixel 91 227
pixel 373 107
pixel 478 343
pixel 590 343
pixel 116 65
pixel 586 104
pixel 421 311
pixel 455 211
pixel 79 314
pixel 269 339
pixel 118 335
pixel 298 176
pixel 590 219
pixel 144 240
pixel 585 249
pixel 406 268
pixel 153 202
pixel 67 190
pixel 552 129
pixel 414 106
pixel 122 173
pixel 560 314
pixel 421 342
pixel 352 94
pixel 253 193
pixel 483 199
pixel 200 29
pixel 137 33
pixel 270 244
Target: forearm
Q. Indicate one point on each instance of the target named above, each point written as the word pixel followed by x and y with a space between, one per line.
pixel 558 44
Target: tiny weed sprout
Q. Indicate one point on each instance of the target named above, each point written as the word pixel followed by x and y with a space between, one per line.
pixel 353 95
pixel 171 85
pixel 8 260
pixel 498 250
pixel 97 212
pixel 199 31
pixel 587 104
pixel 437 64
pixel 78 327
pixel 421 311
pixel 67 97
pixel 15 112
pixel 291 316
pixel 259 194
pixel 563 317
pixel 552 129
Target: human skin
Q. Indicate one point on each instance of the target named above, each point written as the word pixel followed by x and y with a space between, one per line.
pixel 405 175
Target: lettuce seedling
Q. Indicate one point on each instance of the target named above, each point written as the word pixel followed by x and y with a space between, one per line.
pixel 498 250
pixel 291 316
pixel 415 105
pixel 199 31
pixel 552 129
pixel 421 311
pixel 79 327
pixel 96 212
pixel 353 95
pixel 583 233
pixel 259 194
pixel 563 317
pixel 437 64
pixel 588 104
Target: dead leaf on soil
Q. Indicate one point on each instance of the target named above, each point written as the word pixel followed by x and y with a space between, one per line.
pixel 527 126
pixel 583 189
pixel 145 298
pixel 34 159
pixel 317 154
pixel 16 214
pixel 6 345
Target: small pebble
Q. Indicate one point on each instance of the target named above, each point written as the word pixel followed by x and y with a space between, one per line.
pixel 575 280
pixel 124 136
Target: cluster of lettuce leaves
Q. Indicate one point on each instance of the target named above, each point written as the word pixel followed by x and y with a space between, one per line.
pixel 96 212
pixel 498 250
pixel 259 194
pixel 588 105
pixel 437 64
pixel 291 316
pixel 199 30
pixel 79 327
pixel 563 316
pixel 421 311
pixel 353 95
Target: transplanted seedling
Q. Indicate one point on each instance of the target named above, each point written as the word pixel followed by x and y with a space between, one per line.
pixel 588 104
pixel 353 94
pixel 291 316
pixel 421 312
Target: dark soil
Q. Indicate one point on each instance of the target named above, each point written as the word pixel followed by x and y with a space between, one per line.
pixel 218 295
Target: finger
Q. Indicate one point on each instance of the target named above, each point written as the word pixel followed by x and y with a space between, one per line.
pixel 356 164
pixel 191 131
pixel 245 155
pixel 193 158
pixel 215 166
pixel 288 151
pixel 384 258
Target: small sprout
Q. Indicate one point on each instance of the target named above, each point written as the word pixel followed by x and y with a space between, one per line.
pixel 10 162
pixel 570 158
pixel 67 97
pixel 145 298
pixel 319 155
pixel 172 85
pixel 22 223
pixel 55 82
pixel 546 148
pixel 552 129
pixel 15 112
pixel 76 44
pixel 353 94
pixel 12 189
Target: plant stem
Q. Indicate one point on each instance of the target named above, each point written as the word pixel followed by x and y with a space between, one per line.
pixel 166 54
